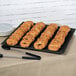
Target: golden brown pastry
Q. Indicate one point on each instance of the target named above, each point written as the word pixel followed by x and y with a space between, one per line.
pixel 59 39
pixel 16 36
pixel 45 36
pixel 32 34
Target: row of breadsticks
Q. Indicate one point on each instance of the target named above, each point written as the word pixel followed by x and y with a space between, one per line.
pixel 42 41
pixel 17 35
pixel 59 39
pixel 32 34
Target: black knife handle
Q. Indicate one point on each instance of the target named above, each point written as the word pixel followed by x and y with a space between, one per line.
pixel 30 58
pixel 1 55
pixel 39 57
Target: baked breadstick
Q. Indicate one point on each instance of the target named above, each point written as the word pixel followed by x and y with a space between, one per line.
pixel 32 34
pixel 59 39
pixel 16 36
pixel 45 36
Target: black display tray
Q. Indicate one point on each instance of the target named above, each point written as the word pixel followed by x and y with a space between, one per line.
pixel 60 51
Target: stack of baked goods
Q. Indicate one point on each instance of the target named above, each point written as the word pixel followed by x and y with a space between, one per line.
pixel 32 34
pixel 59 39
pixel 28 32
pixel 17 35
pixel 45 36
